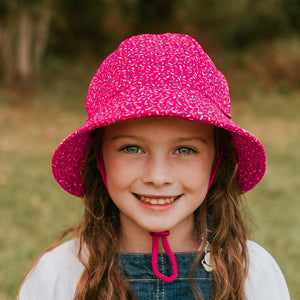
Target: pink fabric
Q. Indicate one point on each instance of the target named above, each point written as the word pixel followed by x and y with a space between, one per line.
pixel 101 168
pixel 215 169
pixel 157 75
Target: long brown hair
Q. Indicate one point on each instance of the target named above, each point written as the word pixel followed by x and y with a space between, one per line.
pixel 227 230
pixel 99 231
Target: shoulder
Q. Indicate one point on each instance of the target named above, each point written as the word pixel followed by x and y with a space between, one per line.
pixel 265 279
pixel 55 276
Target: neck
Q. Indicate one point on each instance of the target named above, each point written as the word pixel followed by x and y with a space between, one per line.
pixel 137 240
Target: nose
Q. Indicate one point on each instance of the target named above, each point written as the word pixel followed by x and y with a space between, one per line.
pixel 158 171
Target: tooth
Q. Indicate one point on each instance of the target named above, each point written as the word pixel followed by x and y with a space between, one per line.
pixel 157 201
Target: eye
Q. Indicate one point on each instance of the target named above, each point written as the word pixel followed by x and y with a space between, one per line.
pixel 184 150
pixel 131 149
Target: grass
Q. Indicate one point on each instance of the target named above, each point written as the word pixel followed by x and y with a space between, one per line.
pixel 34 210
pixel 274 203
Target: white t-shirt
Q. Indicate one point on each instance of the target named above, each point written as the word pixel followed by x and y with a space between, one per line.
pixel 57 273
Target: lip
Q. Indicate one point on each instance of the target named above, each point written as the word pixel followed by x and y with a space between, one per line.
pixel 156 196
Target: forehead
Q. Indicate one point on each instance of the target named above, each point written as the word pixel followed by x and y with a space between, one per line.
pixel 159 125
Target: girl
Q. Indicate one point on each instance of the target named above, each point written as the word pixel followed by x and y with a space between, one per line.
pixel 161 167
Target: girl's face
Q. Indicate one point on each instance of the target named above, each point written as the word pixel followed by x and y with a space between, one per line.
pixel 157 170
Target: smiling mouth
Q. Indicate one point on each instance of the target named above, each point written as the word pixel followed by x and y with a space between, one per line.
pixel 157 200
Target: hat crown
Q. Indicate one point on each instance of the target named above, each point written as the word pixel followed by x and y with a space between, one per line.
pixel 157 60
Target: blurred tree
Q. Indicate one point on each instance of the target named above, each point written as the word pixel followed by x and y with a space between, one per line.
pixel 24 29
pixel 82 29
pixel 77 25
pixel 155 16
pixel 240 23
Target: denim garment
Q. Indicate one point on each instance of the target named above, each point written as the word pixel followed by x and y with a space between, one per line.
pixel 137 268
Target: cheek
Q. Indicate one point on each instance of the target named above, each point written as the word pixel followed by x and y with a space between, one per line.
pixel 196 174
pixel 119 173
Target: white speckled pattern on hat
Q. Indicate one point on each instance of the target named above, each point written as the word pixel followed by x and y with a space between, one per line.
pixel 157 75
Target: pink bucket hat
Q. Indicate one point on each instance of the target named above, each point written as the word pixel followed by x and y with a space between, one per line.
pixel 157 75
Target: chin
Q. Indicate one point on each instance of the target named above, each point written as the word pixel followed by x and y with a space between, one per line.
pixel 156 227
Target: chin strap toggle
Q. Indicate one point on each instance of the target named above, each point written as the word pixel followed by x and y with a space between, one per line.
pixel 163 235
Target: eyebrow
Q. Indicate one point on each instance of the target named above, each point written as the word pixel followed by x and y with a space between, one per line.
pixel 188 139
pixel 180 140
pixel 117 137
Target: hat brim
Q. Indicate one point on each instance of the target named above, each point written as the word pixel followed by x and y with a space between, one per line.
pixel 150 101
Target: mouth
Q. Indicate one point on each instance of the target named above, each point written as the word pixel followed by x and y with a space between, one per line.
pixel 157 200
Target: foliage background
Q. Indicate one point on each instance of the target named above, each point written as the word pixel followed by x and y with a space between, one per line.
pixel 50 49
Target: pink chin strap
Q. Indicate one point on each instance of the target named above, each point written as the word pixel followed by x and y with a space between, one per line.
pixel 101 168
pixel 215 169
pixel 163 235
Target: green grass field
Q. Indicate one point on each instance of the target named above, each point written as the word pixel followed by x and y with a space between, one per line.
pixel 34 210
